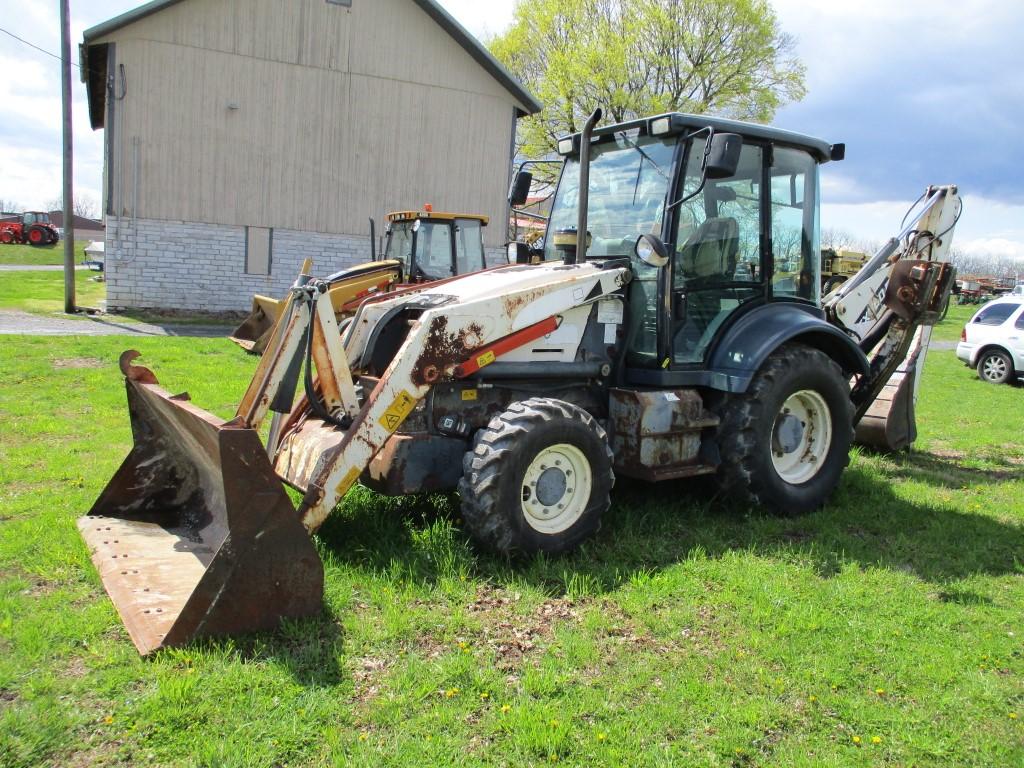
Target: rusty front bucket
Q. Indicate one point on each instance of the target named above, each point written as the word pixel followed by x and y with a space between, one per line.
pixel 195 535
pixel 254 331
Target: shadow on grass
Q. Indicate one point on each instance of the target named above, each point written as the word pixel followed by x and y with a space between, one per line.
pixel 651 527
pixel 308 648
pixel 950 472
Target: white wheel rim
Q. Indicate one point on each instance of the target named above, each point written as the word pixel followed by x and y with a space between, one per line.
pixel 994 367
pixel 801 436
pixel 556 488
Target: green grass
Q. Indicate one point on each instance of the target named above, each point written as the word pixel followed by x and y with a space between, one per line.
pixel 949 329
pixel 44 255
pixel 43 292
pixel 688 632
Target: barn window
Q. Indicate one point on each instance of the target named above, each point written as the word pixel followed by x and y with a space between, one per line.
pixel 259 245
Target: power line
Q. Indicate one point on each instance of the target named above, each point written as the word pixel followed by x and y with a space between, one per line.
pixel 30 45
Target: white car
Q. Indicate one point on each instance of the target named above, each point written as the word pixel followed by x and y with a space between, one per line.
pixel 993 341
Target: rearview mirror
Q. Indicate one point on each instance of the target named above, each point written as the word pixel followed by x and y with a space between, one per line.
pixel 723 156
pixel 651 250
pixel 520 191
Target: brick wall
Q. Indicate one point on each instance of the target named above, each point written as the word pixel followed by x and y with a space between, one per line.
pixel 183 265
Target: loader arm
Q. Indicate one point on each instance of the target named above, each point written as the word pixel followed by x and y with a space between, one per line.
pixel 461 327
pixel 889 308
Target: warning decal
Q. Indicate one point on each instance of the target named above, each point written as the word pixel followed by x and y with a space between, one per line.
pixel 485 359
pixel 468 394
pixel 397 411
pixel 347 481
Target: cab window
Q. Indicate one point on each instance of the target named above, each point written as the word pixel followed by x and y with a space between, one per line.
pixel 469 254
pixel 796 271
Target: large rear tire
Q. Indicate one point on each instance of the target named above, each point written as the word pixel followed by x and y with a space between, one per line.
pixel 38 236
pixel 538 478
pixel 785 442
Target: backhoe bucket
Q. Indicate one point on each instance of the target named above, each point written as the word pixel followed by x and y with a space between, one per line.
pixel 889 424
pixel 254 332
pixel 195 535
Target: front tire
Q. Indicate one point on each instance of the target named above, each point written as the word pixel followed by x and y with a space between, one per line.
pixel 785 442
pixel 538 478
pixel 995 367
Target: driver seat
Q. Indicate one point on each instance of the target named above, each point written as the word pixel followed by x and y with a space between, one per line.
pixel 711 251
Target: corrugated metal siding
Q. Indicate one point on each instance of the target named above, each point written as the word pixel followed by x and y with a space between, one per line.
pixel 341 114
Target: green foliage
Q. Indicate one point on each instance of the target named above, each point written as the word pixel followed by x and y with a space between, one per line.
pixel 728 57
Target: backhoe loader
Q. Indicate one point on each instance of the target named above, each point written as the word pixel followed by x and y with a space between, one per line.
pixel 419 246
pixel 660 338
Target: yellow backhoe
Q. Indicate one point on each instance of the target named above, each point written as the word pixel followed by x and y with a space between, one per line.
pixel 419 246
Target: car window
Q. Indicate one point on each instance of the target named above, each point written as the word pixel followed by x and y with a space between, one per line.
pixel 995 314
pixel 1019 325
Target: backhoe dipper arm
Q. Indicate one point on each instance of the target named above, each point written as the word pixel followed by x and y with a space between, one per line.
pixel 888 307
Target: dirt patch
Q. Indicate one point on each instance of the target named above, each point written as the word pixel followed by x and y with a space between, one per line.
pixel 367 675
pixel 78 362
pixel 512 636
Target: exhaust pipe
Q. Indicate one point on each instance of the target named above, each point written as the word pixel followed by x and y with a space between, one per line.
pixel 584 194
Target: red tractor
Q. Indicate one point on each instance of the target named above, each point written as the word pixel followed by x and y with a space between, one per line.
pixel 32 227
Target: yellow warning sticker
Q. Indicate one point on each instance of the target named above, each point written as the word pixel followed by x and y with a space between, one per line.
pixel 468 394
pixel 485 359
pixel 347 481
pixel 397 411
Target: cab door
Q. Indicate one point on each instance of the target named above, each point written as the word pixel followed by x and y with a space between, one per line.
pixel 718 263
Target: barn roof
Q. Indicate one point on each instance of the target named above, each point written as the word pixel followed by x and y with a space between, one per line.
pixel 470 44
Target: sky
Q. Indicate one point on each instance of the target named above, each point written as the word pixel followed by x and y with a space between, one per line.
pixel 921 91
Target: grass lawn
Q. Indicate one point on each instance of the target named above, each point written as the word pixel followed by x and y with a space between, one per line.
pixel 883 630
pixel 43 292
pixel 53 254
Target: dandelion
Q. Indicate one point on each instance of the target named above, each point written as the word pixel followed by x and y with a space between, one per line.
pixel 463 645
pixel 602 736
pixel 485 696
pixel 553 758
pixel 108 719
pixel 451 693
pixel 876 739
pixel 505 709
pixel 856 739
pixel 430 736
pixel 880 691
pixel 812 698
pixel 553 723
pixel 363 737
pixel 1013 715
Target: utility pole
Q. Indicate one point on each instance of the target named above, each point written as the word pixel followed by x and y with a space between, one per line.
pixel 69 200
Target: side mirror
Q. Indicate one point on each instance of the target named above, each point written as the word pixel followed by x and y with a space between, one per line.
pixel 518 253
pixel 723 156
pixel 651 250
pixel 520 191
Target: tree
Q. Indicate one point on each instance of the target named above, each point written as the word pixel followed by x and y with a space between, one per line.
pixel 643 57
pixel 83 205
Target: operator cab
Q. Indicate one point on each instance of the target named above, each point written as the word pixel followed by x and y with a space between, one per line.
pixel 433 246
pixel 735 239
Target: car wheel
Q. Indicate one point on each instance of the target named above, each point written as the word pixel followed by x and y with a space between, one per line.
pixel 995 367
